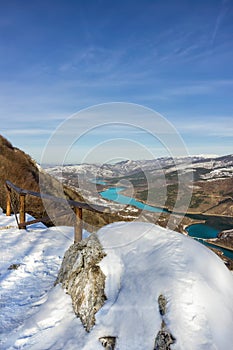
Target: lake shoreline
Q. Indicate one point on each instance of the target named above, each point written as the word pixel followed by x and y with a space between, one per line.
pixel 219 245
pixel 211 222
pixel 221 222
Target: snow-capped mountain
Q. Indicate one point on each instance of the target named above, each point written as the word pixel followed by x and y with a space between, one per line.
pixel 219 167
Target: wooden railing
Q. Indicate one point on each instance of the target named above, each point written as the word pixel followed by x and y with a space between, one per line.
pixel 78 208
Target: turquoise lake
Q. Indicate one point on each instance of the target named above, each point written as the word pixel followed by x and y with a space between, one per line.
pixel 113 194
pixel 202 231
pixel 197 231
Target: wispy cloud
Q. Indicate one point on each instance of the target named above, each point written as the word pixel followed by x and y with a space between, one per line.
pixel 28 132
pixel 199 87
pixel 220 18
pixel 178 61
pixel 220 126
pixel 93 60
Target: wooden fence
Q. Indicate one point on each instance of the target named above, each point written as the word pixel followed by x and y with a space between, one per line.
pixel 78 208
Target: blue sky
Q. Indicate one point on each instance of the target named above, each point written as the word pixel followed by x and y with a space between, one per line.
pixel 58 57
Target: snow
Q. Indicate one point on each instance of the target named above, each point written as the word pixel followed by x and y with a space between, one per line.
pixel 215 165
pixel 143 260
pixel 219 173
pixel 151 260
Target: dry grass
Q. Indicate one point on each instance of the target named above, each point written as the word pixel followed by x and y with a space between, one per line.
pixel 19 168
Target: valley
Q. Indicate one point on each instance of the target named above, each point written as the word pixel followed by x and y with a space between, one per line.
pixel 184 191
pixel 164 182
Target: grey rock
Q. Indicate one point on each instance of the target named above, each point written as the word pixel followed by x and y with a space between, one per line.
pixel 162 304
pixel 14 267
pixel 108 342
pixel 82 278
pixel 163 340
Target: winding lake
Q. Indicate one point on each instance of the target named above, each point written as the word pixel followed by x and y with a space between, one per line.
pixel 198 231
pixel 203 231
pixel 113 194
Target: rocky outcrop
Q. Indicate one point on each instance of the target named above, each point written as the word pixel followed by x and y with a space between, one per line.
pixel 162 304
pixel 226 234
pixel 82 278
pixel 164 338
pixel 108 343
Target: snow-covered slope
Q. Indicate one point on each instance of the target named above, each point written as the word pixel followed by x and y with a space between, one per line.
pixel 142 262
pixel 149 260
pixel 217 167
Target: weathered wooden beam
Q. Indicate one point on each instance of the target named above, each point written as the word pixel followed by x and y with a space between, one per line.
pixel 8 202
pixel 16 188
pixel 91 207
pixel 78 227
pixel 22 212
pixel 78 206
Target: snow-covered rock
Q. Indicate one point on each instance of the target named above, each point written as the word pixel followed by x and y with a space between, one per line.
pixel 218 173
pixel 83 279
pixel 226 234
pixel 143 262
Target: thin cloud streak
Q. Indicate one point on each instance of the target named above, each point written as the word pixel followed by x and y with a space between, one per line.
pixel 220 19
pixel 221 128
pixel 26 132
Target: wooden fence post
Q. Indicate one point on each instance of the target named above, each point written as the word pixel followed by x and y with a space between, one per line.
pixel 8 202
pixel 78 227
pixel 22 224
pixel 22 215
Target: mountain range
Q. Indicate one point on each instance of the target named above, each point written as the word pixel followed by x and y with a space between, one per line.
pixel 222 166
pixel 209 178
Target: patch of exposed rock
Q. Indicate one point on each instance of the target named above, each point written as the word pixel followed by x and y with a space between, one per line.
pixel 81 276
pixel 164 338
pixel 108 343
pixel 162 304
pixel 226 234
